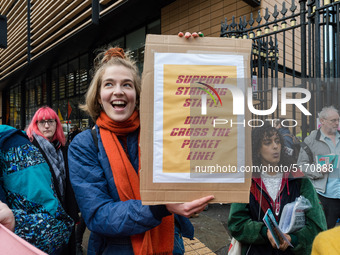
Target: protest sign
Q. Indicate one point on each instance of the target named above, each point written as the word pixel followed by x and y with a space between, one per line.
pixel 192 142
pixel 11 244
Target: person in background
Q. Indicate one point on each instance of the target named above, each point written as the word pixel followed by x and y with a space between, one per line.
pixel 273 189
pixel 46 133
pixel 105 179
pixel 325 141
pixel 80 229
pixel 69 134
pixel 299 135
pixel 327 242
pixel 74 131
pixel 27 183
pixel 288 145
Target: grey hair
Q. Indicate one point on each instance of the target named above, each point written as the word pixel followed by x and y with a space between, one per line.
pixel 325 112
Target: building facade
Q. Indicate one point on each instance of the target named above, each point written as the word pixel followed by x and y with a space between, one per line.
pixel 51 44
pixel 51 47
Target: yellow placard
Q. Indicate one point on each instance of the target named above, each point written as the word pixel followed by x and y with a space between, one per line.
pixel 188 136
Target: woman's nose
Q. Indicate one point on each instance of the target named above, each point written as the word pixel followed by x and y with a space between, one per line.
pixel 118 90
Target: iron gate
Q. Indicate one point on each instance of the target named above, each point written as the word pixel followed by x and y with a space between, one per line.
pixel 309 58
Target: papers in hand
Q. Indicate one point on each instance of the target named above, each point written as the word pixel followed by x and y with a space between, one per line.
pixel 293 215
pixel 286 223
pixel 328 159
pixel 274 229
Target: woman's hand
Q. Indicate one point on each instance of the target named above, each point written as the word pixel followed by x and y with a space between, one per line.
pixel 271 239
pixel 189 208
pixel 283 244
pixel 6 217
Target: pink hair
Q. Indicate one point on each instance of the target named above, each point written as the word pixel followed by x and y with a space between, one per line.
pixel 46 113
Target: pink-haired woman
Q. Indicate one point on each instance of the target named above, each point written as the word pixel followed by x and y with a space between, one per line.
pixel 46 133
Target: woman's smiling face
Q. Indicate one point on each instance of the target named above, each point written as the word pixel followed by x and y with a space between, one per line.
pixel 118 93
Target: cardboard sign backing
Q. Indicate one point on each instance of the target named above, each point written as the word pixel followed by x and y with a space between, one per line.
pixel 192 142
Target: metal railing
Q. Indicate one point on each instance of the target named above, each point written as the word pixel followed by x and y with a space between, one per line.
pixel 301 46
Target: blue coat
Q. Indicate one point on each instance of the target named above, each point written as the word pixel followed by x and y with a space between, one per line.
pixel 110 220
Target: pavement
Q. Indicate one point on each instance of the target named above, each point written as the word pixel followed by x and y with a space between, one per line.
pixel 211 232
pixel 211 229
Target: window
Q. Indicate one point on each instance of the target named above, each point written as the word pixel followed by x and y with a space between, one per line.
pixel 62 81
pixel 14 106
pixel 36 95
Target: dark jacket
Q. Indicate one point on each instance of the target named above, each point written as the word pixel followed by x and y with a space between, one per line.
pixel 68 202
pixel 287 137
pixel 246 225
pixel 2 195
pixel 110 220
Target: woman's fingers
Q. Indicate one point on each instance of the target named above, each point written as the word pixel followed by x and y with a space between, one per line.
pixel 201 203
pixel 198 205
pixel 271 239
pixel 187 35
pixel 189 208
pixel 283 244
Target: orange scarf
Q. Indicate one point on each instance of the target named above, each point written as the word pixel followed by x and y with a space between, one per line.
pixel 159 240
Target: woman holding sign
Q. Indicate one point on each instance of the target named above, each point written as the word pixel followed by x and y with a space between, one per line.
pixel 273 187
pixel 104 169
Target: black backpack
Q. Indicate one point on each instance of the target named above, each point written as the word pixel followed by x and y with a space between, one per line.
pixel 297 145
pixel 304 146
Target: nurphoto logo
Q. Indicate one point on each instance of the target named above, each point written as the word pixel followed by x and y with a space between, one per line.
pixel 239 102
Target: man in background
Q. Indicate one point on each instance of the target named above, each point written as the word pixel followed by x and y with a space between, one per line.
pixel 325 142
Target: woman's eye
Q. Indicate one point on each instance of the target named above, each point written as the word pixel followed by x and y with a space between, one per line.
pixel 108 84
pixel 128 85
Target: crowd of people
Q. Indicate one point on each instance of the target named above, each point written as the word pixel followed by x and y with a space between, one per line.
pixel 95 174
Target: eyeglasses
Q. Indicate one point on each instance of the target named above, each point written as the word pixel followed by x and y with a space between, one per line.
pixel 334 120
pixel 49 122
